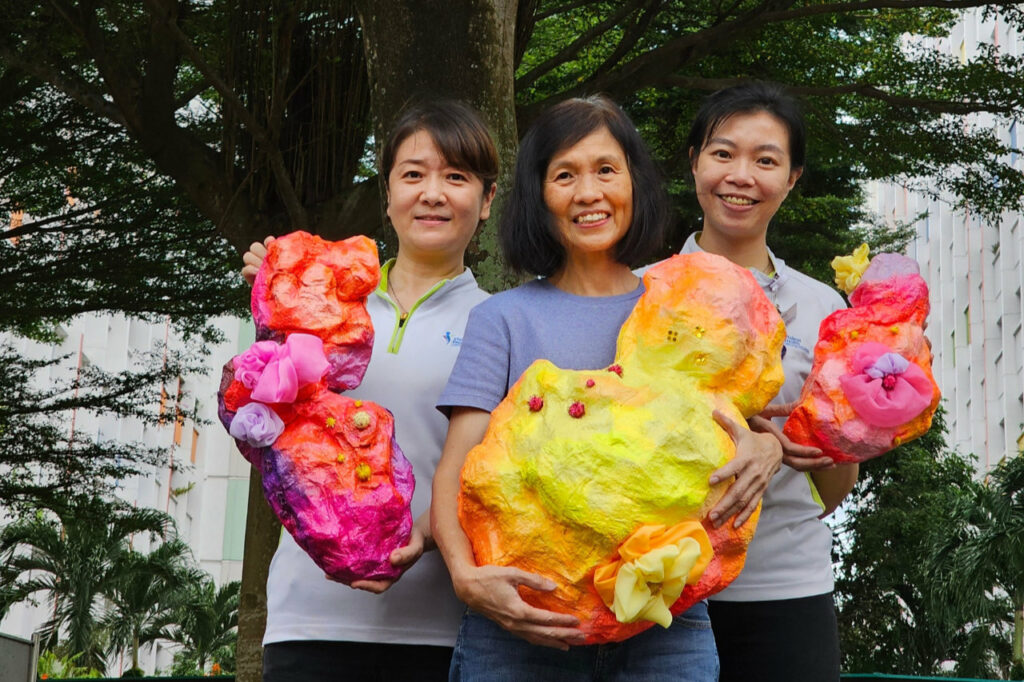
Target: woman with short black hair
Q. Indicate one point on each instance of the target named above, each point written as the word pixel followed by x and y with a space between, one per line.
pixel 776 622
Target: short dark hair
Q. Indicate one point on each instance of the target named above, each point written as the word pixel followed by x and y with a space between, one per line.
pixel 748 98
pixel 529 240
pixel 457 129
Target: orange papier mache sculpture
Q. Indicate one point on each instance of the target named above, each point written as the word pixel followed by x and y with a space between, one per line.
pixel 332 470
pixel 598 480
pixel 871 386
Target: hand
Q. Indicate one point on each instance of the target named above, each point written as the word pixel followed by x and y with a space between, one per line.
pixel 799 457
pixel 758 457
pixel 403 557
pixel 253 259
pixel 492 591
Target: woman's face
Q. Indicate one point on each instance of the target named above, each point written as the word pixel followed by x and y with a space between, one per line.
pixel 743 174
pixel 589 192
pixel 434 206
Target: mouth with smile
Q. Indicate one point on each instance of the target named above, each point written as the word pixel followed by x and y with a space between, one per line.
pixel 737 200
pixel 431 219
pixel 591 218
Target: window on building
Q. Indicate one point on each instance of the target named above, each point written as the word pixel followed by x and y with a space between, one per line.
pixel 179 415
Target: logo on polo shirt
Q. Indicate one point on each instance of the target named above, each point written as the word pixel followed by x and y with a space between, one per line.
pixel 451 340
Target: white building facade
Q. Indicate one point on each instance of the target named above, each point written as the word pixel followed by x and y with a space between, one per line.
pixel 203 482
pixel 975 270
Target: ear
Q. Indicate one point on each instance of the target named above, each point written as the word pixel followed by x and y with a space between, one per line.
pixel 794 175
pixel 693 158
pixel 485 207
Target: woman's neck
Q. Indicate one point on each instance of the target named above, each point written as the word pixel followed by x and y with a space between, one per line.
pixel 596 277
pixel 750 253
pixel 410 278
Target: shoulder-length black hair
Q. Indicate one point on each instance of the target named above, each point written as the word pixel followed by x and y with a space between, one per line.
pixel 527 233
pixel 749 98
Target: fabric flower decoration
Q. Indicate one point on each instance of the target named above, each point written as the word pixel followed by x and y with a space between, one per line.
pixel 256 424
pixel 654 566
pixel 884 388
pixel 850 268
pixel 275 372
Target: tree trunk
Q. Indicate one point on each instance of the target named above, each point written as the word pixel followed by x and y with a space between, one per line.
pixel 462 49
pixel 262 534
pixel 1018 631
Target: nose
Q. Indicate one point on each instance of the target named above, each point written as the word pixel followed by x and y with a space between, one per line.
pixel 741 173
pixel 588 189
pixel 432 192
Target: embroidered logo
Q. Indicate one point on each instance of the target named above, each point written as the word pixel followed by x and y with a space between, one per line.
pixel 451 340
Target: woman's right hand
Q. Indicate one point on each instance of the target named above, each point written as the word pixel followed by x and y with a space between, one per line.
pixel 493 592
pixel 253 259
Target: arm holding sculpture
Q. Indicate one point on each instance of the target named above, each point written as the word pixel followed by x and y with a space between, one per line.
pixel 490 590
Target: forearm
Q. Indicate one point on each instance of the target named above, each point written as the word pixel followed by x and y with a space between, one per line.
pixel 834 485
pixel 422 524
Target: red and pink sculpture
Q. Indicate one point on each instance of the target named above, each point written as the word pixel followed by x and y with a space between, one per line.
pixel 332 470
pixel 871 386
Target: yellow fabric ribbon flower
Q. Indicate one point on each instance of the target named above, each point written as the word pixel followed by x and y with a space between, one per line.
pixel 655 563
pixel 850 268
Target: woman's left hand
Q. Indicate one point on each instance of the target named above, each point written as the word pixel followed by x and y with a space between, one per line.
pixel 758 457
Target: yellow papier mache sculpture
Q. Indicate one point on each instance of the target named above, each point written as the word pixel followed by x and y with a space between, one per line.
pixel 598 479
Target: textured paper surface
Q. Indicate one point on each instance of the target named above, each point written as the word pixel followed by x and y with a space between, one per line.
pixel 575 463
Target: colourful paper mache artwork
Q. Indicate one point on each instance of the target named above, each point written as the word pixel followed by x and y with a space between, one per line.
pixel 597 479
pixel 332 470
pixel 871 386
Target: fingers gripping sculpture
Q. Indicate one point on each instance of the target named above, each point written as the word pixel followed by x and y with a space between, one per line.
pixel 871 387
pixel 332 471
pixel 598 479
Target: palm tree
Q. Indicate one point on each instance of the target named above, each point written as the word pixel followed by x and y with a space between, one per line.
pixel 142 595
pixel 206 620
pixel 979 565
pixel 71 555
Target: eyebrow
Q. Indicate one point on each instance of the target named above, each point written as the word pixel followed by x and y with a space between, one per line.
pixel 604 158
pixel 767 147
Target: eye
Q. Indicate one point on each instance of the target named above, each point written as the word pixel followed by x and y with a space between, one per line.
pixel 563 175
pixel 768 161
pixel 721 154
pixel 605 170
pixel 412 175
pixel 458 176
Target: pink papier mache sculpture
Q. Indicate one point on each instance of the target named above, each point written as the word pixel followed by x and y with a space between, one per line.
pixel 332 470
pixel 871 386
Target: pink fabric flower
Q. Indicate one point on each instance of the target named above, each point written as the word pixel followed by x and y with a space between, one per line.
pixel 256 424
pixel 275 372
pixel 884 388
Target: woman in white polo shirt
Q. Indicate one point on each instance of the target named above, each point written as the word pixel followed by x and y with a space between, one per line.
pixel 777 620
pixel 441 166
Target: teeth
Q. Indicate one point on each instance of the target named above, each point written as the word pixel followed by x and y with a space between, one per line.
pixel 591 217
pixel 737 201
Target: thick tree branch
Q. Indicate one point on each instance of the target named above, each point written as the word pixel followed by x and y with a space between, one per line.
pixel 572 49
pixel 296 212
pixel 652 67
pixel 631 37
pixel 560 9
pixel 81 92
pixel 870 90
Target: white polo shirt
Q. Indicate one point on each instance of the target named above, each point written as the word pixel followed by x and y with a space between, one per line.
pixel 791 553
pixel 407 372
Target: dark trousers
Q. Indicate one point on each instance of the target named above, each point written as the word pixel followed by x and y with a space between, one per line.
pixel 316 661
pixel 789 640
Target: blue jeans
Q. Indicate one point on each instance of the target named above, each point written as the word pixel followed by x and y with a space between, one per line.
pixel 484 652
